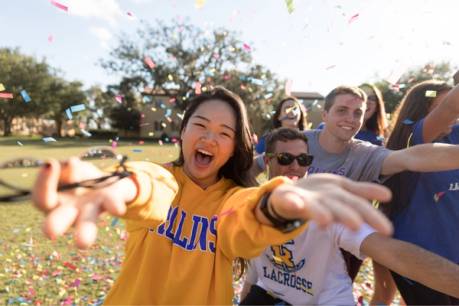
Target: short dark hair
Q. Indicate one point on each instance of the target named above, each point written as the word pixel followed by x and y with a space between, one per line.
pixel 283 134
pixel 343 90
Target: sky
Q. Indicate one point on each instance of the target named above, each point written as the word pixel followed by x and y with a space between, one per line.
pixel 318 46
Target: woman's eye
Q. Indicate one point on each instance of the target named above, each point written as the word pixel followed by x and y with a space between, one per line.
pixel 199 124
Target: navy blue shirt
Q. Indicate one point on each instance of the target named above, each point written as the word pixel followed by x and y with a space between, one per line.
pixel 431 220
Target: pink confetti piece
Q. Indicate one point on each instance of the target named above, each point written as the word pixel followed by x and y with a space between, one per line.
pixel 197 88
pixel 114 144
pixel 6 95
pixel 59 5
pixel 353 18
pixel 119 98
pixel 288 87
pixel 246 47
pixel 50 38
pixel 160 142
pixel 130 14
pixel 149 62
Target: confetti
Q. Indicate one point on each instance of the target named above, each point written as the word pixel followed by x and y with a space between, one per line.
pixel 288 87
pixel 149 62
pixel 137 150
pixel 180 116
pixel 407 121
pixel 438 196
pixel 50 38
pixel 6 95
pixel 199 3
pixel 119 98
pixel 68 112
pixel 353 18
pixel 59 5
pixel 330 67
pixel 114 144
pixel 2 88
pixel 25 96
pixel 19 143
pixel 197 88
pixel 130 14
pixel 246 47
pixel 160 142
pixel 49 139
pixel 290 6
pixel 77 108
pixel 257 82
pixel 85 133
pixel 170 77
pixel 431 93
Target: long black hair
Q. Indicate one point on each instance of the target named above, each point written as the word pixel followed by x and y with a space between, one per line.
pixel 237 168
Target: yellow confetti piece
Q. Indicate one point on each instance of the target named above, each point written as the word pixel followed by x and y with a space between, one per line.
pixel 170 77
pixel 151 134
pixel 290 6
pixel 431 94
pixel 199 3
pixel 2 88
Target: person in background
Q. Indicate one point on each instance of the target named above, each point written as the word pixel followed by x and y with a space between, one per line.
pixel 425 209
pixel 310 269
pixel 374 121
pixel 289 113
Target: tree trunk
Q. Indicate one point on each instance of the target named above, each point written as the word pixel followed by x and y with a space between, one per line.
pixel 58 127
pixel 7 126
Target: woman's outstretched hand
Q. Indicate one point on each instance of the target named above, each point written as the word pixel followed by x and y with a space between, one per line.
pixel 79 207
pixel 329 198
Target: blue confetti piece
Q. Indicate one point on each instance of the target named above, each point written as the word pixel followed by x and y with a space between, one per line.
pixel 257 82
pixel 25 96
pixel 85 133
pixel 68 112
pixel 168 112
pixel 136 150
pixel 49 139
pixel 115 222
pixel 407 121
pixel 77 108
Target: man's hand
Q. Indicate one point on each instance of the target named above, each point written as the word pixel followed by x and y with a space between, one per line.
pixel 328 198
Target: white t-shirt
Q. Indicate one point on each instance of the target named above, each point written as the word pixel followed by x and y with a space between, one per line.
pixel 310 269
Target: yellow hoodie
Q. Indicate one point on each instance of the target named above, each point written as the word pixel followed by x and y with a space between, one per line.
pixel 188 258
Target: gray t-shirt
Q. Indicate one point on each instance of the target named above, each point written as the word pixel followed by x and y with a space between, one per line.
pixel 361 161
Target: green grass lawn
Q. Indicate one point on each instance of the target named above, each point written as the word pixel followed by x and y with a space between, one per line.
pixel 35 270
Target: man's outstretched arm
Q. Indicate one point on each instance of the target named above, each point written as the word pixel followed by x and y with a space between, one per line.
pixel 413 262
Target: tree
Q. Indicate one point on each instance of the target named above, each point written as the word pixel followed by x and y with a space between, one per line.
pixel 100 105
pixel 180 60
pixel 20 72
pixel 65 95
pixel 393 93
pixel 126 115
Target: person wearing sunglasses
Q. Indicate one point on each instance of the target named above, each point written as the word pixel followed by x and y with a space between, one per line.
pixel 310 269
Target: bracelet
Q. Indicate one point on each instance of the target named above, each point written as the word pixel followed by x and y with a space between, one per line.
pixel 279 222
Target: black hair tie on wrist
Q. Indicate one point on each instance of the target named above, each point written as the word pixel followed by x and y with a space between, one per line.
pixel 279 222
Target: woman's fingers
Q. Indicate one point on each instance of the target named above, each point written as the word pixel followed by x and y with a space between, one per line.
pixel 44 193
pixel 59 220
pixel 86 225
pixel 292 203
pixel 370 191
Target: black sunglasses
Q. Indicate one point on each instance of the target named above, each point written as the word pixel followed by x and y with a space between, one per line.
pixel 286 159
